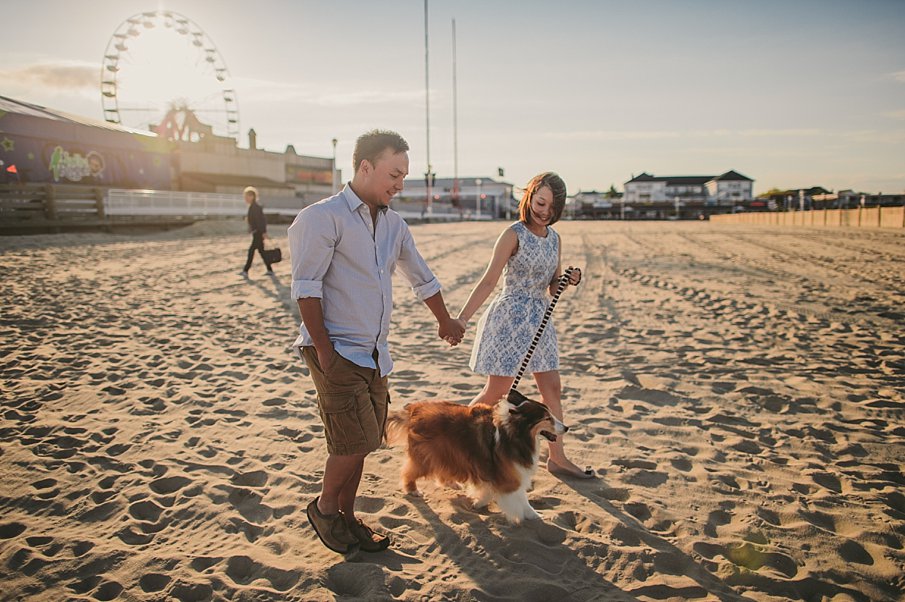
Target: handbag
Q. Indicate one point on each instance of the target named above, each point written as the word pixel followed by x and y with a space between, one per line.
pixel 273 255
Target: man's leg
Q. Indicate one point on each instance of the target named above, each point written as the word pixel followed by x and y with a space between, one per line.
pixel 342 475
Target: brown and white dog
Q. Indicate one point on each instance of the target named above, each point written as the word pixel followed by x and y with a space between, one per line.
pixel 492 451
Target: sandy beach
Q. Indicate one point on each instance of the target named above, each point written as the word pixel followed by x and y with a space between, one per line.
pixel 740 391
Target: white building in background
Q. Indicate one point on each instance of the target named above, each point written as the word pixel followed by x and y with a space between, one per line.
pixel 726 189
pixel 483 198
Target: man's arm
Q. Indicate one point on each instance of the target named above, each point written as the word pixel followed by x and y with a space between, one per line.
pixel 311 243
pixel 449 330
pixel 313 316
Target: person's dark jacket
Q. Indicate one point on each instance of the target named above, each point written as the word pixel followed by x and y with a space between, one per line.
pixel 257 224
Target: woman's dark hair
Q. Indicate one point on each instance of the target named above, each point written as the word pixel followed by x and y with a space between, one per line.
pixel 370 144
pixel 556 186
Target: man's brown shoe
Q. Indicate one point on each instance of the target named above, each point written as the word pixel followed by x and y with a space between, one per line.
pixel 368 539
pixel 332 530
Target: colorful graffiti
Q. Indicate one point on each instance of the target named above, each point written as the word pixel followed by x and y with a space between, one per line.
pixel 75 167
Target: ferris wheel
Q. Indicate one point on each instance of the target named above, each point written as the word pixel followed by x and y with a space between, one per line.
pixel 160 64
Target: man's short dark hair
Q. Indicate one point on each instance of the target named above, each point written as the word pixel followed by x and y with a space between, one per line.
pixel 370 144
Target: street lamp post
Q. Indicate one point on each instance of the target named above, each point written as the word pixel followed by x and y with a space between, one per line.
pixel 508 194
pixel 477 201
pixel 333 175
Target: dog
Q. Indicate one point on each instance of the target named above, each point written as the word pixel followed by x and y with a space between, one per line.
pixel 492 451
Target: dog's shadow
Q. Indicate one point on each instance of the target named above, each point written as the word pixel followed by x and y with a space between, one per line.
pixel 505 560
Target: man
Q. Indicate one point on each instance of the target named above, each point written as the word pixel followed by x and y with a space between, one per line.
pixel 257 225
pixel 344 251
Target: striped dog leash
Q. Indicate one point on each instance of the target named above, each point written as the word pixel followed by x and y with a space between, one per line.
pixel 514 396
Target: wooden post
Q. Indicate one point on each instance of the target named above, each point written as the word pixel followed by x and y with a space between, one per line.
pixel 860 208
pixel 99 203
pixel 879 214
pixel 50 203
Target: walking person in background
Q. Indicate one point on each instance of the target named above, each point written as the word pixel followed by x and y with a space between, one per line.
pixel 344 252
pixel 528 254
pixel 257 225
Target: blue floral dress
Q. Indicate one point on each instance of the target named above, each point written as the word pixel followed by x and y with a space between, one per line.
pixel 506 329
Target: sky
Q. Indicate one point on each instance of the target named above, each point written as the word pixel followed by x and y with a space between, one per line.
pixel 791 93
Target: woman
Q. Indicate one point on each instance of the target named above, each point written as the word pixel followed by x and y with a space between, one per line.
pixel 528 254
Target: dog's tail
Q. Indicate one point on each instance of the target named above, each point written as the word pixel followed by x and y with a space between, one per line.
pixel 397 429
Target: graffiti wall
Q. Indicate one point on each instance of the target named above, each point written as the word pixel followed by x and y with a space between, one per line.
pixel 49 152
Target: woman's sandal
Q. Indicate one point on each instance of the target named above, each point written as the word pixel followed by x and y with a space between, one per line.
pixel 588 473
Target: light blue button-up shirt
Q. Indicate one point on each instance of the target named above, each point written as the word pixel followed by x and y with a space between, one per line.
pixel 342 258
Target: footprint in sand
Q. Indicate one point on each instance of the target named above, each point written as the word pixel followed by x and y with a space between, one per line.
pixel 852 551
pixel 168 485
pixel 153 582
pixel 11 530
pixel 243 570
pixel 130 537
pixel 146 511
pixel 109 590
pixel 257 478
pixel 191 592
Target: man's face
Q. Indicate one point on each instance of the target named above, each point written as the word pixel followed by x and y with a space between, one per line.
pixel 383 179
pixel 249 197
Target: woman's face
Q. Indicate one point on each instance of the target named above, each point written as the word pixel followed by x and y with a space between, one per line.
pixel 542 206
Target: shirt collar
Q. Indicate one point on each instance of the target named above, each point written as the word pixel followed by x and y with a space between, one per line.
pixel 351 198
pixel 355 202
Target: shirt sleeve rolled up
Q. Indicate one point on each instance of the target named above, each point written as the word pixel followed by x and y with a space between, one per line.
pixel 311 244
pixel 424 284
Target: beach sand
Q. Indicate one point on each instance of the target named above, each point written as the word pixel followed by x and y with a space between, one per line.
pixel 739 390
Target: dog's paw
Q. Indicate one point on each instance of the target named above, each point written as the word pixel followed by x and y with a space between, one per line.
pixel 414 493
pixel 480 503
pixel 533 515
pixel 455 486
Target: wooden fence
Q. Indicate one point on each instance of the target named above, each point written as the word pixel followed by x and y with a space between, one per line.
pixel 53 208
pixel 50 203
pixel 861 217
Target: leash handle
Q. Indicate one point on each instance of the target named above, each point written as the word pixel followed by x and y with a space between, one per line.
pixel 563 283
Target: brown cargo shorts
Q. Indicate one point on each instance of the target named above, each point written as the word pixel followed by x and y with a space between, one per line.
pixel 353 404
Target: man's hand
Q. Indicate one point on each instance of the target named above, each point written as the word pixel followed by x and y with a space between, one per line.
pixel 452 331
pixel 325 357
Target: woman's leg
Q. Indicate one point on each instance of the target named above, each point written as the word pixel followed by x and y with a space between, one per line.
pixel 259 241
pixel 550 387
pixel 495 389
pixel 251 254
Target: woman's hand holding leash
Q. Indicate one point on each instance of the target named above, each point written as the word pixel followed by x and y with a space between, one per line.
pixel 575 277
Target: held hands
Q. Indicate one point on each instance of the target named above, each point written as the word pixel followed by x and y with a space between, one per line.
pixel 452 331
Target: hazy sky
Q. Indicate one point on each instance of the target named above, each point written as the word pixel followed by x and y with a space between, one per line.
pixel 790 93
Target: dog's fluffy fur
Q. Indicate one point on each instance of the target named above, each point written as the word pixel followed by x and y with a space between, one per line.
pixel 492 451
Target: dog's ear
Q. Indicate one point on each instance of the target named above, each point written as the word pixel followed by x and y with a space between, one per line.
pixel 516 398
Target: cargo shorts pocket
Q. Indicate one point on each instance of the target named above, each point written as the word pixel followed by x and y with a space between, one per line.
pixel 338 402
pixel 350 423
